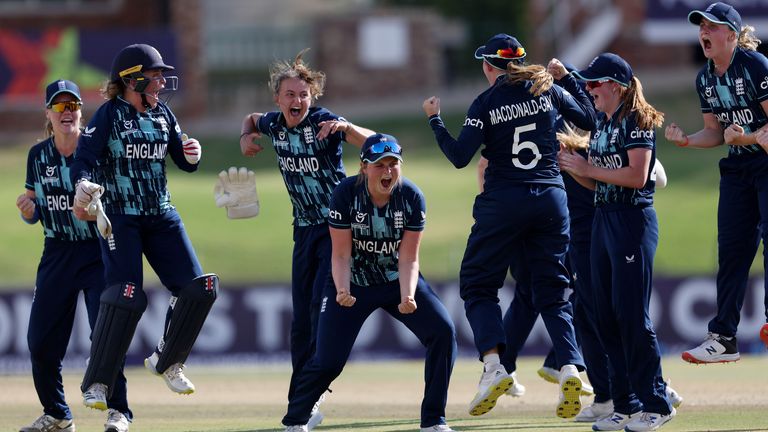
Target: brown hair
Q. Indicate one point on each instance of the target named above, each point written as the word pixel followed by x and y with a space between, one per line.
pixel 747 38
pixel 542 80
pixel 282 70
pixel 112 89
pixel 634 101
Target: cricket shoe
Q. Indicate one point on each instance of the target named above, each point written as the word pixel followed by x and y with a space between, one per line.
pixel 517 389
pixel 173 376
pixel 96 397
pixel 615 421
pixel 437 428
pixel 649 421
pixel 46 423
pixel 493 383
pixel 764 334
pixel 296 428
pixel 570 392
pixel 595 412
pixel 553 376
pixel 315 416
pixel 715 349
pixel 116 421
pixel 675 399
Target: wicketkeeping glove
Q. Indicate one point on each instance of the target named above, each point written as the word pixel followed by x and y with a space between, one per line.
pixel 88 195
pixel 236 190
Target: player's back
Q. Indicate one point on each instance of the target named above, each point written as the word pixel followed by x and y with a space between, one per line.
pixel 520 141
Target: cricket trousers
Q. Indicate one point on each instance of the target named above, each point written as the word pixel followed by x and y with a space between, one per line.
pixel 66 268
pixel 339 326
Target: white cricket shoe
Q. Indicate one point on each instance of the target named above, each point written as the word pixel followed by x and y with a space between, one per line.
pixel 715 349
pixel 615 421
pixel 595 412
pixel 493 383
pixel 174 376
pixel 549 374
pixel 674 398
pixel 517 389
pixel 553 376
pixel 316 417
pixel 296 428
pixel 96 396
pixel 649 421
pixel 570 392
pixel 46 423
pixel 437 428
pixel 116 421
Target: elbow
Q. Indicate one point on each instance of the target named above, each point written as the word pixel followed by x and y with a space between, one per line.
pixel 460 162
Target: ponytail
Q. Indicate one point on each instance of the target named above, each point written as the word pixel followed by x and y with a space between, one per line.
pixel 632 97
pixel 541 79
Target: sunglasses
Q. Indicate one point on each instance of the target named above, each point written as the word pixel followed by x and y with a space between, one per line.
pixel 376 150
pixel 60 107
pixel 595 84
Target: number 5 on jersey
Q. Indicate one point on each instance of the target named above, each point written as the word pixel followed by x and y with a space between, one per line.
pixel 518 147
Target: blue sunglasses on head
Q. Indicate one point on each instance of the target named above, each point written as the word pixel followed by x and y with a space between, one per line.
pixel 374 152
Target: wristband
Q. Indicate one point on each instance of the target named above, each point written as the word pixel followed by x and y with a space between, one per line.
pixel 685 143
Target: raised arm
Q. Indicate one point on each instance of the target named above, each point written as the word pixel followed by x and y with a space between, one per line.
pixel 249 131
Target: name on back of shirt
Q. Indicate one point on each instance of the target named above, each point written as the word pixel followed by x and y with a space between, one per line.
pixel 523 109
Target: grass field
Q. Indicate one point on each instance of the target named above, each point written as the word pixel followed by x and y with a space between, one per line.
pixel 385 396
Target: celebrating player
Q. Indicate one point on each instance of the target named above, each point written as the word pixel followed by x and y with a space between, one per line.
pixel 625 235
pixel 71 262
pixel 733 90
pixel 307 141
pixel 522 207
pixel 376 222
pixel 122 152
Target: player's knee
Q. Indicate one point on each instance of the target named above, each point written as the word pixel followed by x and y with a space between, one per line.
pixel 125 295
pixel 203 288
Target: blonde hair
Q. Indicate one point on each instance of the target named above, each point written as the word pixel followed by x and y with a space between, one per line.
pixel 542 80
pixel 747 38
pixel 634 101
pixel 573 138
pixel 282 70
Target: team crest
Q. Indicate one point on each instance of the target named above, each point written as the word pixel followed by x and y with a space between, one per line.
pixel 739 86
pixel 398 219
pixel 309 137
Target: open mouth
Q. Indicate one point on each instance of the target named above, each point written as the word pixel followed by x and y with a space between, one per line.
pixel 706 43
pixel 295 111
pixel 386 183
pixel 66 121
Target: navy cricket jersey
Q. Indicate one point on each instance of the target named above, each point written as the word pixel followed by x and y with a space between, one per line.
pixel 376 232
pixel 736 96
pixel 48 177
pixel 518 130
pixel 608 149
pixel 581 206
pixel 126 150
pixel 311 168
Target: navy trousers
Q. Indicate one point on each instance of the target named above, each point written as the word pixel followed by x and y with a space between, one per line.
pixel 66 269
pixel 624 243
pixel 339 326
pixel 528 221
pixel 742 219
pixel 310 275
